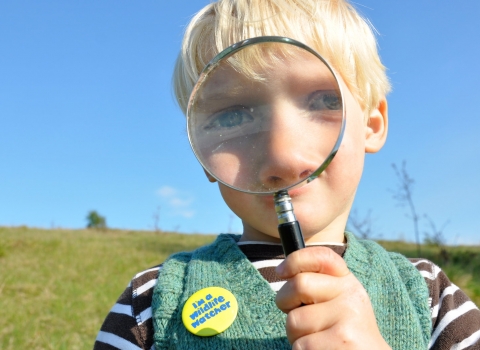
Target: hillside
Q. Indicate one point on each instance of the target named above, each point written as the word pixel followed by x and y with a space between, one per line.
pixel 56 286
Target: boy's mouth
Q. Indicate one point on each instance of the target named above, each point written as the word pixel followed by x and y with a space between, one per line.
pixel 293 193
pixel 298 191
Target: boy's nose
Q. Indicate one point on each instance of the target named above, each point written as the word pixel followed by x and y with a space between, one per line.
pixel 290 150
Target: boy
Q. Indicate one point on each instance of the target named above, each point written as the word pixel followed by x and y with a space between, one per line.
pixel 369 299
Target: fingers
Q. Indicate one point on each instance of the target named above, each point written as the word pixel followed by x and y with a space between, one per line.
pixel 313 259
pixel 326 306
pixel 308 288
pixel 344 321
pixel 328 326
pixel 340 336
pixel 327 340
pixel 309 319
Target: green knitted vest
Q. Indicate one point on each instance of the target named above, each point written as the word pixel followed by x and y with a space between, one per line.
pixel 398 293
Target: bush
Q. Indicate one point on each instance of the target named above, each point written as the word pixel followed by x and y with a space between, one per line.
pixel 96 221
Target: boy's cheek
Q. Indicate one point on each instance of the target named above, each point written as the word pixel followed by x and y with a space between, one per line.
pixel 258 211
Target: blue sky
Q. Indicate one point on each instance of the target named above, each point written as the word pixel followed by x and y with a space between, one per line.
pixel 88 121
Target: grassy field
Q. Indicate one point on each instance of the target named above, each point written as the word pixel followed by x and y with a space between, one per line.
pixel 56 286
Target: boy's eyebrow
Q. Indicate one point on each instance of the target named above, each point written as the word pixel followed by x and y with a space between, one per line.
pixel 222 94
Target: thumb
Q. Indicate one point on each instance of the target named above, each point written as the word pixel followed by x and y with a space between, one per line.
pixel 313 259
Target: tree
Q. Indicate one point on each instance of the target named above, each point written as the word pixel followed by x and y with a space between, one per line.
pixel 363 227
pixel 156 220
pixel 436 238
pixel 403 195
pixel 95 220
pixel 435 235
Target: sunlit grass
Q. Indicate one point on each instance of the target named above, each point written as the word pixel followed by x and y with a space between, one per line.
pixel 56 286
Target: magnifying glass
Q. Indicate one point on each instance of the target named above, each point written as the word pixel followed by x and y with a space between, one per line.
pixel 267 116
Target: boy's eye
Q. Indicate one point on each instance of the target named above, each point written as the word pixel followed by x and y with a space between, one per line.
pixel 321 100
pixel 229 119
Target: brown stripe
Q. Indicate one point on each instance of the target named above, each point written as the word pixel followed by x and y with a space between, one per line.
pixel 451 302
pixel 143 301
pixel 258 252
pixel 146 277
pixel 139 304
pixel 127 324
pixel 146 332
pixel 269 274
pixel 126 297
pixel 458 330
pixel 339 249
pixel 433 285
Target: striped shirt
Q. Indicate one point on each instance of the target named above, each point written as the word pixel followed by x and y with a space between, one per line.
pixel 455 318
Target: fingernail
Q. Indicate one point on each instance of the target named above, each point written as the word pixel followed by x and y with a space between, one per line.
pixel 280 269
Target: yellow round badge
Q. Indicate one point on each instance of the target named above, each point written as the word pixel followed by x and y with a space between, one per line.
pixel 209 311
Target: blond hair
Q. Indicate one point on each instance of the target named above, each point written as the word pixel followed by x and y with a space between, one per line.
pixel 331 27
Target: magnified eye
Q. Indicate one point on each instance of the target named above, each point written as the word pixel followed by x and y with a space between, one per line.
pixel 321 100
pixel 229 119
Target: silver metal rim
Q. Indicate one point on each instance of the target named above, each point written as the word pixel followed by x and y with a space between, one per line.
pixel 237 47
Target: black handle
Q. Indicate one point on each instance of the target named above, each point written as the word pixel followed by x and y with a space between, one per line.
pixel 291 236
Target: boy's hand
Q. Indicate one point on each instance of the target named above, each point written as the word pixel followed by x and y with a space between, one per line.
pixel 326 306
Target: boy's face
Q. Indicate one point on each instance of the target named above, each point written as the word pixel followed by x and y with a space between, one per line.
pixel 322 206
pixel 254 129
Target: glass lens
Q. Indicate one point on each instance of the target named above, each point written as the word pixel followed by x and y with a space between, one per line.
pixel 265 117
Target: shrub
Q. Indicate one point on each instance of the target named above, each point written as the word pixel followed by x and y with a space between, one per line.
pixel 95 220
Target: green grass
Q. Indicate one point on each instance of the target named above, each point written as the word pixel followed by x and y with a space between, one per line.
pixel 56 286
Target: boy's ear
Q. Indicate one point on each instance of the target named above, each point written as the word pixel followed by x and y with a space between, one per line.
pixel 377 127
pixel 209 177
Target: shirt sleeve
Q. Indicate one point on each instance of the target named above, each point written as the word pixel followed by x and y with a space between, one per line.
pixel 128 326
pixel 455 318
